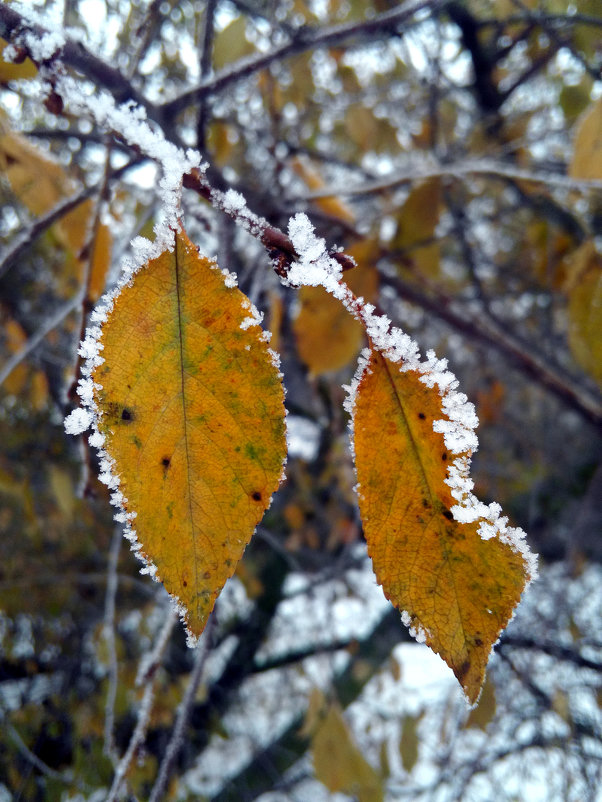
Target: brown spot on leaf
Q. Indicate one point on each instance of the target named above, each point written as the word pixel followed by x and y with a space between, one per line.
pixel 166 462
pixel 127 414
pixel 463 670
pixel 447 514
pixel 422 416
pixel 444 456
pixel 256 496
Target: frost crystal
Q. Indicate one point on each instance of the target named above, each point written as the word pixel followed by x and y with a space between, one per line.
pixel 78 421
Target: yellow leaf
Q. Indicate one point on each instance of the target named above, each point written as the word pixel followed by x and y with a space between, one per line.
pixel 484 713
pixel 231 44
pixel 315 708
pixel 193 414
pixel 456 590
pixel 585 308
pixel 416 223
pixel 339 763
pixel 10 71
pixel 327 337
pixel 408 744
pixel 587 147
pixel 101 261
pixel 333 206
pixel 38 181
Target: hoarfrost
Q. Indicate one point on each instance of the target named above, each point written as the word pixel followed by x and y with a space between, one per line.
pixel 78 421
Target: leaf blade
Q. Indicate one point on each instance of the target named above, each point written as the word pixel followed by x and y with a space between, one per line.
pixel 193 416
pixel 455 589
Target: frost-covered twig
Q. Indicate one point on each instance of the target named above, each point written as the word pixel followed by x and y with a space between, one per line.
pixel 146 674
pixel 177 736
pixel 109 636
pixel 28 34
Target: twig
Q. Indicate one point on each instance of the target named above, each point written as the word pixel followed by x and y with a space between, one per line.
pixel 177 736
pixel 460 169
pixel 205 67
pixel 500 340
pixel 147 676
pixel 109 636
pixel 21 243
pixel 35 761
pixel 307 39
pixel 33 342
pixel 75 54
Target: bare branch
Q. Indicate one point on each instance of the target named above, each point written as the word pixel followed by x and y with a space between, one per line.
pixel 307 39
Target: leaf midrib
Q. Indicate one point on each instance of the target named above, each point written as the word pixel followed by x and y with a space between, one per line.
pixel 179 301
pixel 414 447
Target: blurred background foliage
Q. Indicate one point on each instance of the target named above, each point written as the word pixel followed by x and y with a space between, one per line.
pixel 455 149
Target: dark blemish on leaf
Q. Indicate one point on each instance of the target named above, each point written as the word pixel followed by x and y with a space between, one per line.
pixel 463 670
pixel 447 514
pixel 228 562
pixel 478 642
pixel 206 575
pixel 166 462
pixel 425 503
pixel 127 414
pixel 184 583
pixel 444 456
pixel 256 496
pixel 421 415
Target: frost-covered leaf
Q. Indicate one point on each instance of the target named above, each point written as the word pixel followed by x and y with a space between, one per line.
pixel 192 413
pixel 456 583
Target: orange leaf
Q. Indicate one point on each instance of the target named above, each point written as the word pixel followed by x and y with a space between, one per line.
pixel 456 590
pixel 192 412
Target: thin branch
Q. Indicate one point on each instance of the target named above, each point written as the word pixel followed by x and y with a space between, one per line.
pixel 109 636
pixel 24 241
pixel 205 68
pixel 62 312
pixel 460 169
pixel 148 673
pixel 306 39
pixel 587 405
pixel 75 55
pixel 294 657
pixel 556 650
pixel 35 761
pixel 177 736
